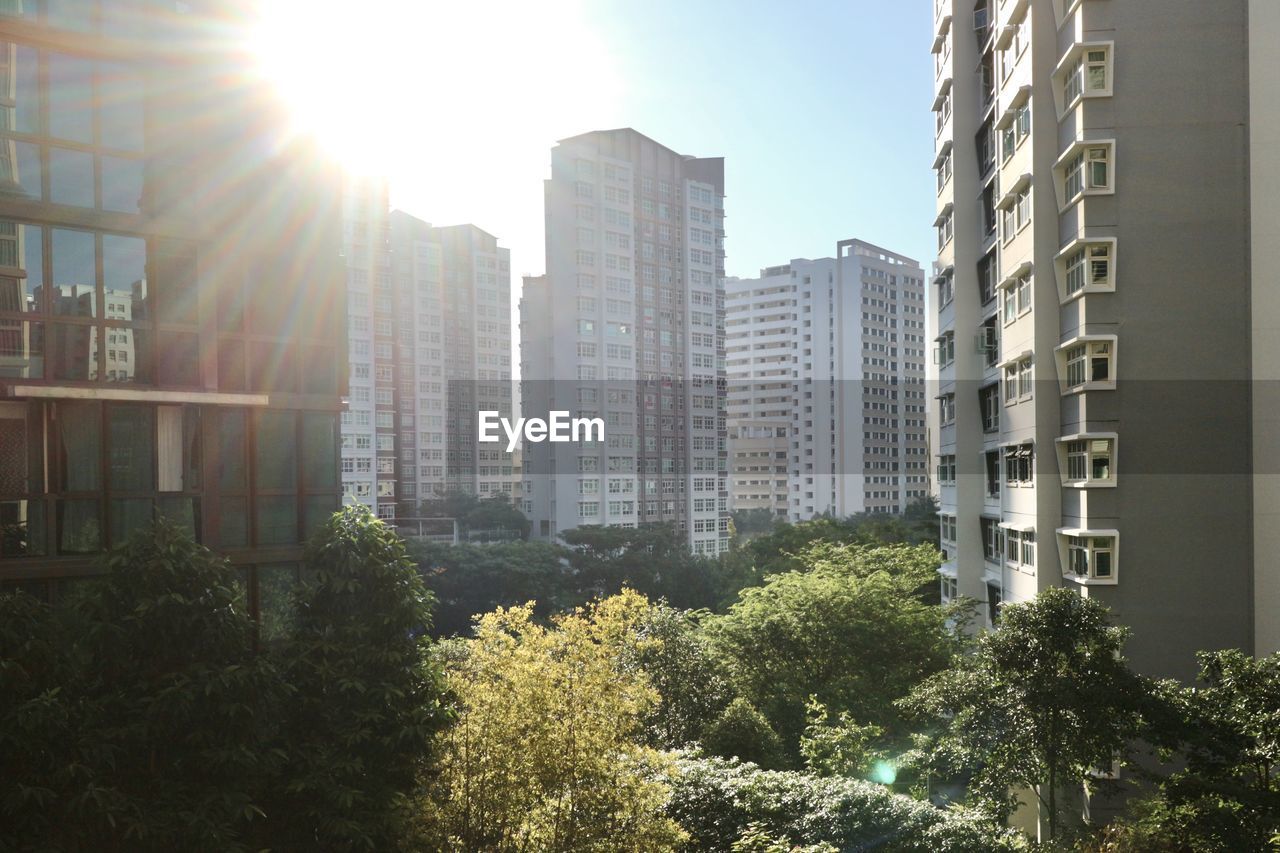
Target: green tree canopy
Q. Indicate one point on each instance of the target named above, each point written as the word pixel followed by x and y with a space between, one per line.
pixel 545 751
pixel 850 629
pixel 1045 699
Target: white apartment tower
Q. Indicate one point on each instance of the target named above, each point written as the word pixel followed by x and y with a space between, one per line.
pixel 628 325
pixel 430 344
pixel 1108 241
pixel 826 366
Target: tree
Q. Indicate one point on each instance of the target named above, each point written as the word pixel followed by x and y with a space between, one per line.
pixel 468 580
pixel 1045 699
pixel 849 630
pixel 366 697
pixel 653 559
pixel 476 515
pixel 742 732
pixel 1225 794
pixel 721 803
pixel 544 752
pixel 750 522
pixel 839 746
pixel 675 656
pixel 136 721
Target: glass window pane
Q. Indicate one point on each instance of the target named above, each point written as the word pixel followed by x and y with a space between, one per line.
pixel 75 273
pixel 133 449
pixel 276 461
pixel 19 9
pixel 70 177
pixel 120 111
pixel 21 349
pixel 320 451
pixel 124 277
pixel 173 274
pixel 21 469
pixel 132 363
pixel 177 448
pixel 19 168
pixel 22 531
pixel 231 366
pixel 277 519
pixel 70 97
pixel 182 511
pixel 320 375
pixel 316 511
pixel 232 450
pixel 233 522
pixel 178 359
pixel 275 601
pixel 121 184
pixel 79 452
pixel 21 267
pixel 73 353
pixel 77 15
pixel 23 80
pixel 127 515
pixel 79 531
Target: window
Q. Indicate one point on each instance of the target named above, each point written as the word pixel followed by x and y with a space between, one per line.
pixel 1091 557
pixel 1087 171
pixel 1086 74
pixel 1089 461
pixel 987 278
pixel 947 469
pixel 944 171
pixel 1020 547
pixel 945 353
pixel 1019 465
pixel 1089 362
pixel 947 524
pixel 989 403
pixel 945 225
pixel 1017 381
pixel 1088 267
pixel 992 540
pixel 1017 297
pixel 946 287
pixel 992 460
pixel 947 409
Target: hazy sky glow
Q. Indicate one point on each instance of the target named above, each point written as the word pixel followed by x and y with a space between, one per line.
pixel 820 107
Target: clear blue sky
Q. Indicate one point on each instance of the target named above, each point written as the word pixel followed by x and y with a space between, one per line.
pixel 820 108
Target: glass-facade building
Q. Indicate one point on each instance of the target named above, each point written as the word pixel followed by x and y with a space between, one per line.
pixel 172 297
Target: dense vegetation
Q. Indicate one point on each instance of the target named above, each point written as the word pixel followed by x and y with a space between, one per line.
pixel 805 692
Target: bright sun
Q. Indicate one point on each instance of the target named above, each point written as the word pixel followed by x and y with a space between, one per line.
pixel 389 85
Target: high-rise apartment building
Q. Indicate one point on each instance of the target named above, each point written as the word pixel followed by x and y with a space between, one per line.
pixel 1107 243
pixel 172 329
pixel 430 334
pixel 628 325
pixel 825 362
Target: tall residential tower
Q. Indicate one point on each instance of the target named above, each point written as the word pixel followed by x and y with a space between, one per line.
pixel 826 399
pixel 628 325
pixel 1107 247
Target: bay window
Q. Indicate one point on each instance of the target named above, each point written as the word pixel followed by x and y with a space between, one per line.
pixel 1089 460
pixel 1090 555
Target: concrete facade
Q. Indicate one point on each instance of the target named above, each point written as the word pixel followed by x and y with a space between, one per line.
pixel 1094 216
pixel 826 366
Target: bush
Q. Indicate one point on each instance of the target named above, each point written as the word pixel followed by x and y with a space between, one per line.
pixel 718 802
pixel 366 698
pixel 742 732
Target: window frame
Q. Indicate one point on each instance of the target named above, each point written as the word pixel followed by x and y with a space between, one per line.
pixel 1091 543
pixel 1092 347
pixel 1080 448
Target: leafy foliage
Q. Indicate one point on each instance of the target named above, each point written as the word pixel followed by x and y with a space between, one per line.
pixel 366 699
pixel 1225 796
pixel 135 721
pixel 743 732
pixel 476 515
pixel 721 803
pixel 544 753
pixel 471 579
pixel 1045 699
pixel 839 747
pixel 850 630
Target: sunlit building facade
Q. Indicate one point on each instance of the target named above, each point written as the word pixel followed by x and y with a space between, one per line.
pixel 1107 247
pixel 628 325
pixel 826 395
pixel 172 328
